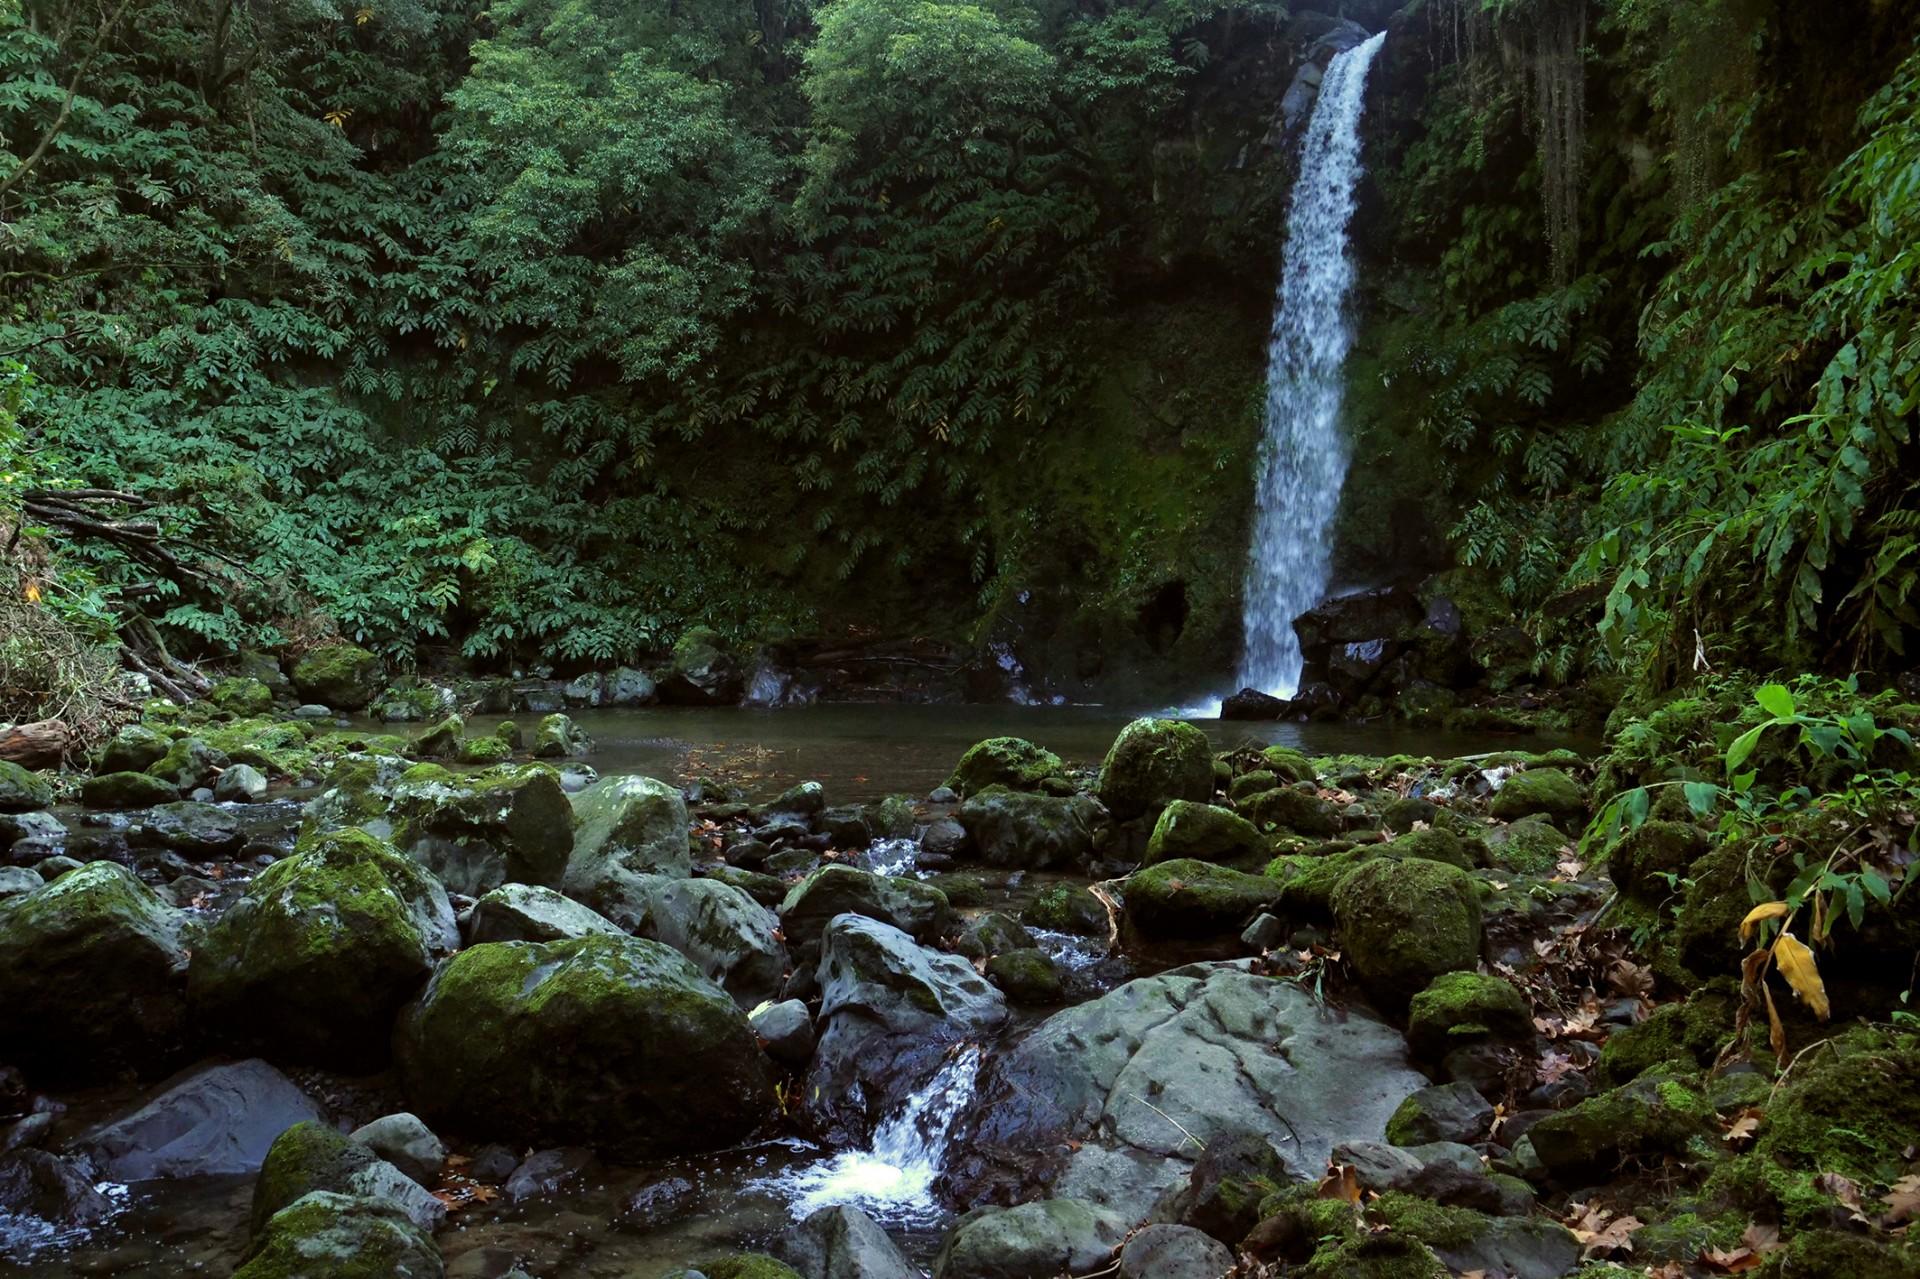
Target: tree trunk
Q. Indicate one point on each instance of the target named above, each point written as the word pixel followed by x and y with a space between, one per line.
pixel 39 745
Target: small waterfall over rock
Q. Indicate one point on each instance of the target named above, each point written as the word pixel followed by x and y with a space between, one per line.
pixel 892 1181
pixel 1303 459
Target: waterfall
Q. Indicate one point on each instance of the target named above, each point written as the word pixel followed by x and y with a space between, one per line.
pixel 892 1180
pixel 1303 458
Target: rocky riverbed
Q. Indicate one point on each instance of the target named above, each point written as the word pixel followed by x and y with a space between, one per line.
pixel 284 997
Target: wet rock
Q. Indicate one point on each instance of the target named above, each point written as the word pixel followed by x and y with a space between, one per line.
pixel 189 764
pixel 1030 1241
pixel 1195 900
pixel 134 749
pixel 614 1042
pixel 944 837
pixel 1173 1252
pixel 21 790
pixel 1252 704
pixel 439 740
pixel 15 880
pixel 482 751
pixel 915 908
pixel 991 934
pixel 652 1206
pixel 730 937
pixel 241 784
pixel 1530 1248
pixel 52 868
pixel 703 672
pixel 842 1243
pixel 1381 1166
pixel 628 687
pixel 1640 862
pixel 210 1120
pixel 625 827
pixel 493 1163
pixel 529 912
pixel 1027 976
pixel 1035 832
pixel 1548 792
pixel 126 790
pixel 1012 762
pixel 36 1184
pixel 1152 763
pixel 889 1010
pixel 1206 833
pixel 1265 933
pixel 1445 1112
pixel 41 828
pixel 1461 1008
pixel 92 974
pixel 768 890
pixel 190 828
pixel 405 1142
pixel 1229 1182
pixel 558 737
pixel 1150 1074
pixel 1404 923
pixel 479 832
pixel 1648 1116
pixel 547 1171
pixel 313 961
pixel 1292 809
pixel 342 1237
pixel 343 676
pixel 310 1156
pixel 1067 908
pixel 785 1030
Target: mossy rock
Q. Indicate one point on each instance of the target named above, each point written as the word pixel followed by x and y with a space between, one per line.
pixel 1404 923
pixel 1850 1105
pixel 94 969
pixel 1012 762
pixel 1152 763
pixel 278 748
pixel 748 1265
pixel 242 696
pixel 1549 792
pixel 1707 929
pixel 1291 765
pixel 768 890
pixel 510 733
pixel 342 676
pixel 482 751
pixel 1453 1112
pixel 558 737
pixel 1290 809
pixel 1434 846
pixel 1462 1008
pixel 359 793
pixel 1205 832
pixel 1194 900
pixel 614 1042
pixel 190 762
pixel 1296 1222
pixel 134 749
pixel 1307 880
pixel 1841 1254
pixel 991 934
pixel 1653 1115
pixel 914 908
pixel 409 703
pixel 1253 783
pixel 963 890
pixel 1533 846
pixel 1642 862
pixel 312 963
pixel 1467 1241
pixel 1036 832
pixel 331 1236
pixel 1403 814
pixel 482 830
pixel 440 740
pixel 1066 908
pixel 1683 1036
pixel 1375 1256
pixel 307 1157
pixel 126 790
pixel 1028 976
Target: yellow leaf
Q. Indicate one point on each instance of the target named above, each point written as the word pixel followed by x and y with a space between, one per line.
pixel 1760 914
pixel 32 592
pixel 1776 1033
pixel 1796 964
pixel 362 16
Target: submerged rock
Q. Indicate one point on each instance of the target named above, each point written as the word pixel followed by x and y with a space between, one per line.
pixel 605 1041
pixel 313 962
pixel 1152 763
pixel 93 969
pixel 216 1119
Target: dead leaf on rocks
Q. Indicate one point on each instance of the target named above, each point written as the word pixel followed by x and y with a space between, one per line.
pixel 1600 1232
pixel 1844 1190
pixel 1902 1201
pixel 1342 1181
pixel 1746 1123
pixel 1734 1261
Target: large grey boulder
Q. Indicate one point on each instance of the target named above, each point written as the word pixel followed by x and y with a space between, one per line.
pixel 917 909
pixel 477 832
pixel 406 1143
pixel 843 1243
pixel 889 1011
pixel 210 1120
pixel 1036 1240
pixel 530 912
pixel 624 827
pixel 1174 1252
pixel 1018 829
pixel 730 937
pixel 1151 1073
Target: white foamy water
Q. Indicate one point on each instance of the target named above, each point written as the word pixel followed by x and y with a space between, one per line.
pixel 891 857
pixel 891 1181
pixel 1303 458
pixel 1073 954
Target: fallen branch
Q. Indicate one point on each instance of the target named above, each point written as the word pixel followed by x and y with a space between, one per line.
pixel 42 744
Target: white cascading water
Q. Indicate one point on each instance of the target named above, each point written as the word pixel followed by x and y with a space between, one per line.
pixel 1303 459
pixel 892 1181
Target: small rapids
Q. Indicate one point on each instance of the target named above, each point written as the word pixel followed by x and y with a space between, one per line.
pixel 892 1181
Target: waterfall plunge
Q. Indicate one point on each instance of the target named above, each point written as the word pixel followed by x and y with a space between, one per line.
pixel 1303 458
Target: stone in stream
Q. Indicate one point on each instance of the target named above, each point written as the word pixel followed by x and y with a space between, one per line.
pixel 210 1120
pixel 529 912
pixel 93 969
pixel 1405 922
pixel 336 1236
pixel 36 1184
pixel 729 936
pixel 310 1156
pixel 1152 763
pixel 624 827
pixel 558 737
pixel 545 1172
pixel 1043 1238
pixel 478 832
pixel 1027 975
pixel 23 790
pixel 786 1031
pixel 915 908
pixel 189 764
pixel 1012 762
pixel 241 784
pixel 614 1042
pixel 1194 900
pixel 190 828
pixel 1067 908
pixel 1150 1074
pixel 17 880
pixel 702 672
pixel 1174 1252
pixel 314 960
pixel 406 1143
pixel 126 790
pixel 889 1012
pixel 1206 832
pixel 1034 832
pixel 134 749
pixel 343 676
pixel 843 1243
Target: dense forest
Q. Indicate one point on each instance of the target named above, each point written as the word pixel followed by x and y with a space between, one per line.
pixel 539 334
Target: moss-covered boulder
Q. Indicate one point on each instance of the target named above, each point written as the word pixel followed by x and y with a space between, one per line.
pixel 1850 1105
pixel 93 969
pixel 1380 1255
pixel 191 828
pixel 190 762
pixel 919 910
pixel 991 934
pixel 482 751
pixel 1291 810
pixel 278 748
pixel 1433 845
pixel 240 695
pixel 730 937
pixel 1034 832
pixel 1027 976
pixel 479 831
pixel 703 671
pixel 624 827
pixel 1832 1253
pixel 1067 908
pixel 1461 1008
pixel 331 1236
pixel 1152 763
pixel 743 1265
pixel 359 792
pixel 1042 1238
pixel 1467 1241
pixel 527 912
pixel 1404 923
pixel 126 790
pixel 1683 1036
pixel 311 1156
pixel 342 676
pixel 22 790
pixel 1204 832
pixel 1532 846
pixel 1288 764
pixel 1549 792
pixel 1649 860
pixel 1706 931
pixel 314 960
pixel 558 737
pixel 1194 900
pixel 134 749
pixel 1653 1115
pixel 438 740
pixel 1012 762
pixel 1307 880
pixel 613 1042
